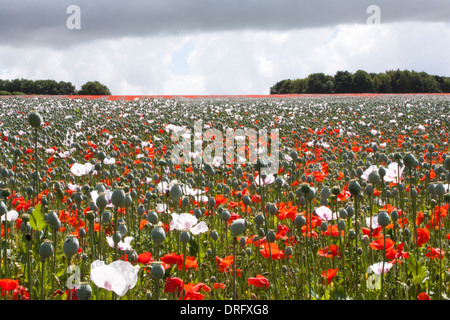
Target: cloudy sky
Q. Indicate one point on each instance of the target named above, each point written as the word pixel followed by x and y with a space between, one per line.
pixel 206 47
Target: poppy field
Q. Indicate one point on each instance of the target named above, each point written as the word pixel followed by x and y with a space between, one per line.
pixel 96 205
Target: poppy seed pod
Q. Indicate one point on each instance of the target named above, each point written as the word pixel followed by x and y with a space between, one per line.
pixel 354 188
pixel 440 189
pixel 152 217
pixel 158 235
pixel 34 119
pixel 106 216
pixel 118 197
pixel 46 249
pixel 259 219
pixel 122 229
pixel 288 251
pixel 305 188
pixel 394 215
pixel 237 227
pixel 383 218
pixel 246 200
pixel 325 193
pixel 214 235
pixel 82 232
pixel 225 215
pixel 175 192
pixel 70 246
pixel 341 225
pixel 299 221
pixel 185 236
pixel 242 241
pixel 271 236
pixel 157 271
pixel 84 291
pixel 374 178
pixel 409 160
pixel 369 190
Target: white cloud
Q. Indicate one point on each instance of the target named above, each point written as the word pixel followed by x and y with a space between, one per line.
pixel 233 62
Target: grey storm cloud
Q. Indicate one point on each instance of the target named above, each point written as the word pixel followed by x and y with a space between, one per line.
pixel 43 22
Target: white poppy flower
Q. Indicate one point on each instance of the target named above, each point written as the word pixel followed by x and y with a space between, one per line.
pixel 122 245
pixel 268 180
pixel 378 267
pixel 325 213
pixel 187 222
pixel 119 276
pixel 79 170
pixel 11 216
pixel 109 161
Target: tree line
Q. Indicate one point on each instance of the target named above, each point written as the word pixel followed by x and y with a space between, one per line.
pixel 50 87
pixel 392 81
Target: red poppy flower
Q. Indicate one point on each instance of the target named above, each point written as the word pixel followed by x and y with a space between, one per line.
pixel 259 282
pixel 397 253
pixel 224 263
pixel 272 251
pixel 329 251
pixel 8 284
pixel 173 285
pixel 171 258
pixel 423 296
pixel 189 263
pixel 423 236
pixel 20 293
pixel 145 258
pixel 328 275
pixel 435 253
pixel 219 285
pixel 379 244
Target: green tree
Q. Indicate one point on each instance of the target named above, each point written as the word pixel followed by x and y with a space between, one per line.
pixel 343 82
pixel 298 86
pixel 94 88
pixel 319 83
pixel 361 82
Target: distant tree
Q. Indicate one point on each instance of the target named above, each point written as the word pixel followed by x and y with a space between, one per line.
pixel 277 87
pixel 445 86
pixel 94 88
pixel 298 86
pixel 361 82
pixel 319 83
pixel 342 82
pixel 382 83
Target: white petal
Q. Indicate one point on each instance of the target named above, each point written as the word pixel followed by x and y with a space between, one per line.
pixel 199 228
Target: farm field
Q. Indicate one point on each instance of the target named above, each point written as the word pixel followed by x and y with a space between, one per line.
pixel 311 197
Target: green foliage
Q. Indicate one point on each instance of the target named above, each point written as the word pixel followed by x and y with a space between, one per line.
pixel 94 88
pixel 37 220
pixel 392 81
pixel 4 93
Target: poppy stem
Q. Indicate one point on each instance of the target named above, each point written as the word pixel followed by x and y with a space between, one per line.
pixel 234 269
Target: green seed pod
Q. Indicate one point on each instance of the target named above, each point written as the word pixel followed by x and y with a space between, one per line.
pixel 175 192
pixel 122 229
pixel 158 235
pixel 185 236
pixel 299 221
pixel 440 189
pixel 394 215
pixel 383 218
pixel 157 271
pixel 242 242
pixel 225 215
pixel 152 217
pixel 271 236
pixel 101 201
pixel 259 219
pixel 84 291
pixel 341 225
pixel 106 216
pixel 214 235
pixel 409 160
pixel 118 197
pixel 288 251
pixel 237 227
pixel 354 188
pixel 374 178
pixel 70 246
pixel 46 249
pixel 35 119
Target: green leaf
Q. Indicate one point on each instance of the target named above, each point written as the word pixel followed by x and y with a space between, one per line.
pixel 37 220
pixel 417 270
